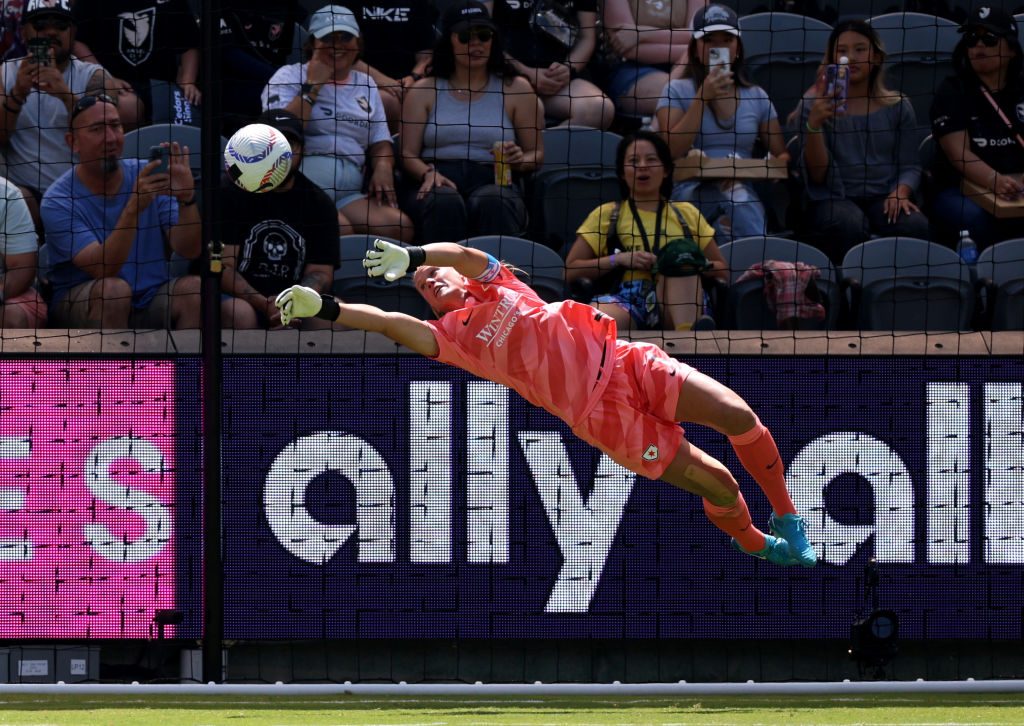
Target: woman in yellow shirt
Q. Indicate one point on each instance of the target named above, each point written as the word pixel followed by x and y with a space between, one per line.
pixel 646 222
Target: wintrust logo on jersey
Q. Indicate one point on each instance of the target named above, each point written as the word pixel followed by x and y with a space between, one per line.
pixel 500 322
pixel 390 15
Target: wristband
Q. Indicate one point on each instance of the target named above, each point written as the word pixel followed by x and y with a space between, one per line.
pixel 415 76
pixel 306 87
pixel 417 256
pixel 611 258
pixel 813 131
pixel 330 310
pixel 190 202
pixel 430 168
pixel 19 101
pixel 308 99
pixel 12 110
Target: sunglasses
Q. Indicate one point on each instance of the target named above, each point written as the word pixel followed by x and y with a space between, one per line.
pixel 484 35
pixel 989 40
pixel 43 24
pixel 89 101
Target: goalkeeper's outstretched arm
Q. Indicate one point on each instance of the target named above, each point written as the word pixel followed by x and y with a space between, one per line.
pixel 305 302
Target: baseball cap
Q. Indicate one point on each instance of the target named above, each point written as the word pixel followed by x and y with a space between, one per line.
pixel 993 19
pixel 39 8
pixel 284 121
pixel 715 17
pixel 332 19
pixel 464 14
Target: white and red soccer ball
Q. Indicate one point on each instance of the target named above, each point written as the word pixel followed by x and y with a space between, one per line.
pixel 258 157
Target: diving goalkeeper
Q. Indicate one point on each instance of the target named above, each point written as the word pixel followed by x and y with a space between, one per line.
pixel 627 399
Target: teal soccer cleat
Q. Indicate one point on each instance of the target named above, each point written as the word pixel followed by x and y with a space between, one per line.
pixel 791 528
pixel 775 550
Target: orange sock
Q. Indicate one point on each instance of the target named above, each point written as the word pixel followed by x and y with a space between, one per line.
pixel 760 456
pixel 735 521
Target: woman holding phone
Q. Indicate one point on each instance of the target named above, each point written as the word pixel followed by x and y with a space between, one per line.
pixel 715 111
pixel 859 153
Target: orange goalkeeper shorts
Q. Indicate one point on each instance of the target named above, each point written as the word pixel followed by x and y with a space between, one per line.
pixel 634 422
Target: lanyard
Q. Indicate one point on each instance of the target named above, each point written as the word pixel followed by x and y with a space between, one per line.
pixel 657 224
pixel 1009 124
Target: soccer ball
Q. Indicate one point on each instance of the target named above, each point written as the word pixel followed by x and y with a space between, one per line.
pixel 258 157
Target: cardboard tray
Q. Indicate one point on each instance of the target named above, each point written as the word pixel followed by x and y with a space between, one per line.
pixel 987 200
pixel 705 167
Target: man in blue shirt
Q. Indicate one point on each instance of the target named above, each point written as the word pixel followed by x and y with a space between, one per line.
pixel 109 223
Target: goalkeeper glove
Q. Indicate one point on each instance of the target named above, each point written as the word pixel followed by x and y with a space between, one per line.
pixel 392 260
pixel 305 302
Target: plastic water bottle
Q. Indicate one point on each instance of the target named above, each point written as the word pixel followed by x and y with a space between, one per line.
pixel 966 248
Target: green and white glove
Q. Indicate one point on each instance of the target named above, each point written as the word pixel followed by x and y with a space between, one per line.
pixel 391 260
pixel 298 302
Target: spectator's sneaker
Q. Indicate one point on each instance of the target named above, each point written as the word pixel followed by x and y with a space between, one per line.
pixel 791 528
pixel 775 551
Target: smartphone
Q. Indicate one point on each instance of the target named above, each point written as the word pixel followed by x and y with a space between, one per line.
pixel 837 78
pixel 719 57
pixel 161 154
pixel 39 48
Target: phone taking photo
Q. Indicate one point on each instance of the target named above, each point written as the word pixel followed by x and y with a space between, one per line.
pixel 719 57
pixel 161 154
pixel 39 48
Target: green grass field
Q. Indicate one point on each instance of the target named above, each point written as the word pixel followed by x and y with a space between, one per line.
pixel 896 710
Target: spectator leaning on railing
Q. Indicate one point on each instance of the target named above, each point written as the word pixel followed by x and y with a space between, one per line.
pixel 978 123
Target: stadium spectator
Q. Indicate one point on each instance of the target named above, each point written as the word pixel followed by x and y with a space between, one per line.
pixel 344 123
pixel 555 61
pixel 717 112
pixel 646 222
pixel 470 101
pixel 285 236
pixel 396 48
pixel 20 303
pixel 860 163
pixel 647 39
pixel 36 100
pixel 625 398
pixel 978 122
pixel 11 44
pixel 256 38
pixel 108 223
pixel 138 42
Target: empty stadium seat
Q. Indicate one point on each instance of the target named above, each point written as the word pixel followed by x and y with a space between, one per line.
pixel 745 306
pixel 902 283
pixel 920 56
pixel 783 52
pixel 1001 276
pixel 578 175
pixel 543 268
pixel 352 285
